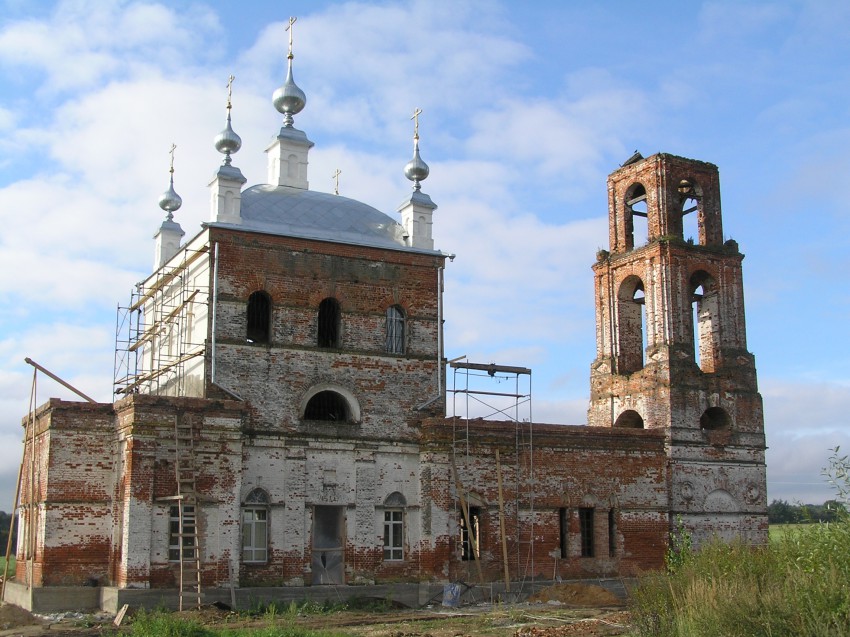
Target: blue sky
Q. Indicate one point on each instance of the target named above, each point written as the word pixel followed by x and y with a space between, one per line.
pixel 526 111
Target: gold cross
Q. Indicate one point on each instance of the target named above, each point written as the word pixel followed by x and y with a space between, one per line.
pixel 336 175
pixel 229 89
pixel 290 29
pixel 416 113
pixel 171 152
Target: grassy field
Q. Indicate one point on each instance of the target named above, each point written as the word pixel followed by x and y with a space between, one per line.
pixel 3 565
pixel 778 531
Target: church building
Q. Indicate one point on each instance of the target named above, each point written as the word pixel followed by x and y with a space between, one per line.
pixel 280 429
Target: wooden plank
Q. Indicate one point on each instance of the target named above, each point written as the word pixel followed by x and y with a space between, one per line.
pixel 502 525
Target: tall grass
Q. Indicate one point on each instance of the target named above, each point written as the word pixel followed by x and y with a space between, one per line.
pixel 797 585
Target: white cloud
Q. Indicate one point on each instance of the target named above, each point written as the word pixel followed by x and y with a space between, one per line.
pixel 803 421
pixel 85 42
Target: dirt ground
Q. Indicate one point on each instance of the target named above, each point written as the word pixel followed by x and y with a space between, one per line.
pixel 562 610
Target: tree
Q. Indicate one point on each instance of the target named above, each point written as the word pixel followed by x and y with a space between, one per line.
pixel 780 512
pixel 5 519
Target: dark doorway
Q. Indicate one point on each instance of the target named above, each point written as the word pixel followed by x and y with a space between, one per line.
pixel 328 545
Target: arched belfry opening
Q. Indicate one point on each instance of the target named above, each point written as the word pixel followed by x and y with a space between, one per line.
pixel 636 216
pixel 689 193
pixel 631 325
pixel 705 306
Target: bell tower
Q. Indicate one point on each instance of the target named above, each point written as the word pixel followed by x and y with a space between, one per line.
pixel 671 348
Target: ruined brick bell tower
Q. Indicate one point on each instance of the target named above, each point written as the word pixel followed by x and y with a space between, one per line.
pixel 671 343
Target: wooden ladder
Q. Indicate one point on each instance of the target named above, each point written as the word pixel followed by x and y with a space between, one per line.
pixel 188 533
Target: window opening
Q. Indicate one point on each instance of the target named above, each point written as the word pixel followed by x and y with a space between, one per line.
pixel 585 517
pixel 612 533
pixel 327 405
pixel 629 419
pixel 393 533
pixel 697 297
pixel 631 325
pixel 174 534
pixel 395 330
pixel 467 551
pixel 259 318
pixel 255 525
pixel 563 530
pixel 706 323
pixel 690 212
pixel 637 227
pixel 714 418
pixel 329 319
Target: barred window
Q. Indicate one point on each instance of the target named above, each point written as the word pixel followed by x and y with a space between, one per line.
pixel 395 330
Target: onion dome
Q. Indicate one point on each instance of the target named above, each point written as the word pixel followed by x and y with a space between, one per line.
pixel 416 170
pixel 227 141
pixel 170 201
pixel 289 99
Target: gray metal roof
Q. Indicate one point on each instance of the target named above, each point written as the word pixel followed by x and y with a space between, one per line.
pixel 295 212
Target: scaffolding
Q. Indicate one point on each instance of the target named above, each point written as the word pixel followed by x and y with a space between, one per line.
pixel 157 335
pixel 473 398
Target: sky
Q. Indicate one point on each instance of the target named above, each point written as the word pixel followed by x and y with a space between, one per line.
pixel 526 110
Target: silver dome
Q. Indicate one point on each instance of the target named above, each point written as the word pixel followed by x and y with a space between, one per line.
pixel 416 170
pixel 289 99
pixel 295 212
pixel 170 201
pixel 227 141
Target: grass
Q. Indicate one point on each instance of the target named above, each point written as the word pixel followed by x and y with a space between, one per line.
pixel 165 624
pixel 798 585
pixel 3 565
pixel 777 531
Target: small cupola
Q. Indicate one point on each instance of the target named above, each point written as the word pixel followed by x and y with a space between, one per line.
pixel 226 185
pixel 418 210
pixel 170 233
pixel 287 154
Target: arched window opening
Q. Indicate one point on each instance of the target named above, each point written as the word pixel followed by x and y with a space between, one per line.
pixel 637 230
pixel 329 318
pixel 394 527
pixel 259 318
pixel 255 527
pixel 631 326
pixel 629 419
pixel 706 321
pixel 715 419
pixel 690 212
pixel 327 405
pixel 395 330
